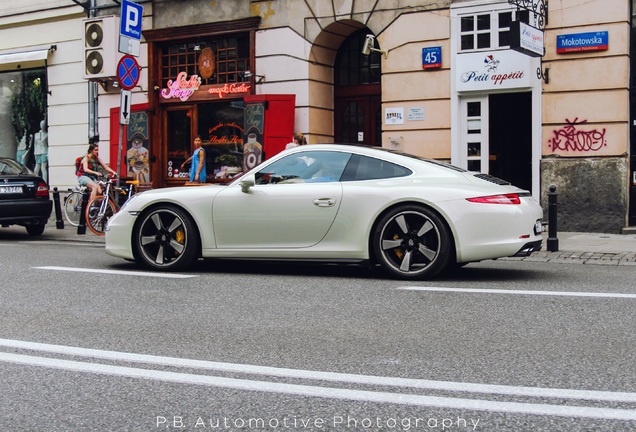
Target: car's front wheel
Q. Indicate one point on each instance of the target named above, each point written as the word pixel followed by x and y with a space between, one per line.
pixel 412 242
pixel 165 238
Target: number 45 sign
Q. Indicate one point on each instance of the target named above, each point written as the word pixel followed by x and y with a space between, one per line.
pixel 432 57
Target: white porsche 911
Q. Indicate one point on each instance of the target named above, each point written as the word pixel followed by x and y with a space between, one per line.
pixel 334 203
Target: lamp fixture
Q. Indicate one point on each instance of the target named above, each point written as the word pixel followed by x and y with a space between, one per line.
pixel 247 75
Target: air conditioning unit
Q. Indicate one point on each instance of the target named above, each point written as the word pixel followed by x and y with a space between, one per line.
pixel 101 36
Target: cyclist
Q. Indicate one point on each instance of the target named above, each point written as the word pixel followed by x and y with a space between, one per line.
pixel 88 171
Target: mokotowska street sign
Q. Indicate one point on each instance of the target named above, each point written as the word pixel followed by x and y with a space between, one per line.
pixel 130 27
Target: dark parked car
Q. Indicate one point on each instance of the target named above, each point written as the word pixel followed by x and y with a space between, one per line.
pixel 24 197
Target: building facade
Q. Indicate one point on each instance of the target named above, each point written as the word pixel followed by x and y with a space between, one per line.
pixel 435 78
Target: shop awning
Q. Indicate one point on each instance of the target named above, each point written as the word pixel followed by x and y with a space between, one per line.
pixel 24 59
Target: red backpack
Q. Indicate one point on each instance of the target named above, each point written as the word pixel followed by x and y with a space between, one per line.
pixel 79 168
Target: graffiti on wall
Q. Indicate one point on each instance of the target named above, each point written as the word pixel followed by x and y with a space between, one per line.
pixel 570 138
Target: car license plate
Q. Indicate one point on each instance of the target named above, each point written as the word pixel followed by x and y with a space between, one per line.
pixel 10 189
pixel 538 227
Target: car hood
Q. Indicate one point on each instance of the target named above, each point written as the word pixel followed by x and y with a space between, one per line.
pixel 176 194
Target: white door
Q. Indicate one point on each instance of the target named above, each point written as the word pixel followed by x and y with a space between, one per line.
pixel 474 151
pixel 292 204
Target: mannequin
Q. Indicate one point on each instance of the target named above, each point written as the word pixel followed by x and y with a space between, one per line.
pixel 41 151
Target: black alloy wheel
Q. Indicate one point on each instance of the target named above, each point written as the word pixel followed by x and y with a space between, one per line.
pixel 412 242
pixel 165 239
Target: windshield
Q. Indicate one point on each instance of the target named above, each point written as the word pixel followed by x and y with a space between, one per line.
pixel 11 167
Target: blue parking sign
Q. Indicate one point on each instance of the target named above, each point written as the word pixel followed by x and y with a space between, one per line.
pixel 130 21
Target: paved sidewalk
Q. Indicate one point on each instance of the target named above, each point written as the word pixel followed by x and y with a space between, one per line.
pixel 588 248
pixel 573 247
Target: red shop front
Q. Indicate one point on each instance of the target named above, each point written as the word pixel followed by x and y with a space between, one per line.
pixel 202 84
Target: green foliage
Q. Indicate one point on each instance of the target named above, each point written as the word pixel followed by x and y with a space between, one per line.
pixel 28 103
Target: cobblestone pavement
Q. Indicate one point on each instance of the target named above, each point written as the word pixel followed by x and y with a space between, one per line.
pixel 573 257
pixel 588 248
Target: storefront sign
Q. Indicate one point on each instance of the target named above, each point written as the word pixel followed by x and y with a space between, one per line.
pixel 227 89
pixel 582 42
pixel 526 39
pixel 181 88
pixel 497 71
pixel 236 137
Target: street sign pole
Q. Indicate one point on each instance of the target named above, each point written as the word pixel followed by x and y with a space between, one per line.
pixel 128 70
pixel 119 147
pixel 124 119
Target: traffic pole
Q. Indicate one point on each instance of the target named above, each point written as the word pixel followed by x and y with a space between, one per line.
pixel 553 241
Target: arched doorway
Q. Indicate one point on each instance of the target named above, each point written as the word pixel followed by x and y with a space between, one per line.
pixel 357 92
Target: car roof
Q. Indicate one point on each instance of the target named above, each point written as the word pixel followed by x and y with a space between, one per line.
pixel 396 156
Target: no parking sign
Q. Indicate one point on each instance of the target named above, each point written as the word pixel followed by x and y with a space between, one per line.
pixel 128 72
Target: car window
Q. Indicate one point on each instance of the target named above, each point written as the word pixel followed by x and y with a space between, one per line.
pixel 11 167
pixel 368 168
pixel 305 167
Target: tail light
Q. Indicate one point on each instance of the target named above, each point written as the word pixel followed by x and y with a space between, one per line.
pixel 497 199
pixel 43 190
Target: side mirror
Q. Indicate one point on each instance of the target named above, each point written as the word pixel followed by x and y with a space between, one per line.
pixel 246 184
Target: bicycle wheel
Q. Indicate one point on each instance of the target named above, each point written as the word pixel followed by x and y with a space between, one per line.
pixel 73 207
pixel 95 222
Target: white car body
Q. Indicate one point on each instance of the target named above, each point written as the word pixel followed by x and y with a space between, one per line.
pixel 335 218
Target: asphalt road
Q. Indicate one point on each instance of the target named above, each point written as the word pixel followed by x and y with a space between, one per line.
pixel 90 342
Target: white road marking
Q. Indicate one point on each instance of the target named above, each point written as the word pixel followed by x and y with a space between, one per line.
pixel 518 292
pixel 325 392
pixel 77 243
pixel 119 272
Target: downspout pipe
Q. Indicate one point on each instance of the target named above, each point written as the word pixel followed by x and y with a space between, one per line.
pixel 93 119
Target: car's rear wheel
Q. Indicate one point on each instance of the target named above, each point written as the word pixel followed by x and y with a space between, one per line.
pixel 165 238
pixel 412 242
pixel 35 230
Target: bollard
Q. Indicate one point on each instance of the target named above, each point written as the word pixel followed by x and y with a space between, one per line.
pixel 59 222
pixel 81 228
pixel 553 241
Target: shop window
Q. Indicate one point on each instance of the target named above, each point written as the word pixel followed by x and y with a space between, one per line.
pixel 230 57
pixel 220 126
pixel 488 30
pixel 23 102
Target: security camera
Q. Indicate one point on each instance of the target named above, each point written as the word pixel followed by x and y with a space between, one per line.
pixel 367 46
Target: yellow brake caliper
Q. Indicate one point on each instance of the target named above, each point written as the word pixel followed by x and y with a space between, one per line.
pixel 179 237
pixel 397 250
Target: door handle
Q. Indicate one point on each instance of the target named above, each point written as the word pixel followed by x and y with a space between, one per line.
pixel 325 202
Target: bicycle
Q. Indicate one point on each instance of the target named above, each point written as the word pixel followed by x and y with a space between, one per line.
pixel 101 208
pixel 73 204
